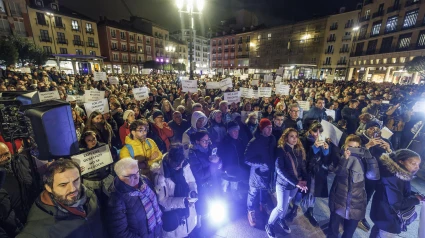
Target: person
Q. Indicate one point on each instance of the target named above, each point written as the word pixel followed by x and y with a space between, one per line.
pixel 9 225
pixel 66 208
pixel 73 101
pixel 144 150
pixel 216 127
pixel 78 123
pixel 198 122
pixel 259 156
pixel 176 189
pixel 278 126
pixel 161 130
pixel 293 120
pixel 168 110
pixel 116 113
pixel 96 123
pixel 252 122
pixel 224 108
pixel 364 119
pixel 291 176
pixel 133 194
pixel 397 117
pixel 350 113
pixel 124 131
pixel 394 193
pixel 179 126
pixel 316 113
pixel 347 198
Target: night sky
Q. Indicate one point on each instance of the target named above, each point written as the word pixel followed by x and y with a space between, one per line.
pixel 164 12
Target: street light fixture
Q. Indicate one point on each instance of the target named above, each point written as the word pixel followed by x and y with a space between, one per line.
pixel 356 28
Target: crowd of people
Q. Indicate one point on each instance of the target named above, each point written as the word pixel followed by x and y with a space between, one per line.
pixel 175 150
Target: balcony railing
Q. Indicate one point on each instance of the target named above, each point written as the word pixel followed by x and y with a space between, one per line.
pixel 220 51
pixel 90 31
pixel 326 63
pixel 377 14
pixel 75 28
pixel 114 48
pixel 411 3
pixel 16 13
pixel 333 27
pixel 346 38
pixel 41 23
pixel 92 44
pixel 78 42
pixel 45 39
pixel 124 49
pixel 62 41
pixel 344 50
pixel 341 62
pixel 329 52
pixel 386 50
pixel 214 44
pixel 364 18
pixel 232 50
pixel 368 2
pixel 242 56
pixel 331 39
pixel 348 25
pixel 393 8
pixel 60 25
pixel 240 41
pixel 226 50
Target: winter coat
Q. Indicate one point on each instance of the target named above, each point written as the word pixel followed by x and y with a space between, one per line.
pixel 126 214
pixel 231 153
pixel 216 131
pixel 314 114
pixel 285 171
pixel 259 154
pixel 186 135
pixel 164 134
pixel 393 193
pixel 178 130
pixel 376 150
pixel 124 132
pixel 47 220
pixel 165 190
pixel 202 168
pixel 277 131
pixel 289 123
pixel 7 216
pixel 352 117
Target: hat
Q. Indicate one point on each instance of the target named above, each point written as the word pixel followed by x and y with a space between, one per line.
pixel 157 113
pixel 126 113
pixel 232 125
pixel 70 98
pixel 235 115
pixel 214 113
pixel 264 123
pixel 372 124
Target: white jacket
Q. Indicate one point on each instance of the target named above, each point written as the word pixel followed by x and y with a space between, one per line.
pixel 165 189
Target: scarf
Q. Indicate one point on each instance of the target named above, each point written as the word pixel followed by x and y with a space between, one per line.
pixel 181 188
pixel 77 208
pixel 150 204
pixel 200 148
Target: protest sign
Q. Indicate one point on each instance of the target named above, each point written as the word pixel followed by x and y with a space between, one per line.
pixel 232 97
pixel 305 105
pixel 213 85
pixel 256 76
pixel 280 71
pixel 146 71
pixel 25 70
pixel 141 93
pixel 94 159
pixel 244 76
pixel 78 98
pixel 254 94
pixel 330 79
pixel 268 78
pixel 94 95
pixel 189 86
pixel 246 92
pixel 330 113
pixel 203 76
pixel 251 71
pixel 226 83
pixel 278 79
pixel 265 92
pixel 419 106
pixel 113 80
pixel 237 73
pixel 210 76
pixel 282 89
pixel 101 106
pixel 255 82
pixel 98 76
pixel 49 95
pixel 332 132
pixel 386 133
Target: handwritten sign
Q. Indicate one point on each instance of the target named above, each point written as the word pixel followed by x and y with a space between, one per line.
pixel 189 86
pixel 251 71
pixel 255 94
pixel 331 131
pixel 330 79
pixel 237 73
pixel 101 106
pixel 244 76
pixel 113 80
pixel 386 133
pixel 280 71
pixel 255 82
pixel 78 98
pixel 226 83
pixel 98 76
pixel 140 93
pixel 305 105
pixel 25 70
pixel 282 89
pixel 256 76
pixel 93 159
pixel 213 85
pixel 265 92
pixel 94 95
pixel 50 95
pixel 232 97
pixel 146 71
pixel 268 78
pixel 278 79
pixel 330 113
pixel 246 92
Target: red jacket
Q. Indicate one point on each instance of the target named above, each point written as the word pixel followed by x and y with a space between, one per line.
pixel 124 131
pixel 18 143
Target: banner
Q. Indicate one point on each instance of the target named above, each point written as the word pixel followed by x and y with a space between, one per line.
pixel 213 85
pixel 141 93
pixel 268 78
pixel 331 131
pixel 305 105
pixel 94 95
pixel 98 76
pixel 278 79
pixel 232 97
pixel 226 83
pixel 265 92
pixel 114 80
pixel 246 92
pixel 146 71
pixel 282 89
pixel 101 106
pixel 189 86
pixel 255 82
pixel 93 159
pixel 49 95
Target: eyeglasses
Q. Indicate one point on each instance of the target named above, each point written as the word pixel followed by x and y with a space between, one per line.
pixel 142 130
pixel 132 176
pixel 295 111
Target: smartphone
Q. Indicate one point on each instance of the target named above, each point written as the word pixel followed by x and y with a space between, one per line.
pixel 192 200
pixel 354 150
pixel 376 135
pixel 214 151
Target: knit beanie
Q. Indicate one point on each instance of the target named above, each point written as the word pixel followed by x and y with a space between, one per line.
pixel 126 113
pixel 372 124
pixel 213 114
pixel 264 123
pixel 157 113
pixel 232 125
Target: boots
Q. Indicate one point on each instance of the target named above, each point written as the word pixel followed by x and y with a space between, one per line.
pixel 292 213
pixel 251 218
pixel 364 225
pixel 311 218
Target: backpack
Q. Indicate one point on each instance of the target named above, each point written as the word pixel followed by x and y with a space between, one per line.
pixel 130 148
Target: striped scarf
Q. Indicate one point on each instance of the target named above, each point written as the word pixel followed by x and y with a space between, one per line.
pixel 150 203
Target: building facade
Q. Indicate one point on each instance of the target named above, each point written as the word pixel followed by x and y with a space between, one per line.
pixel 391 32
pixel 70 37
pixel 14 18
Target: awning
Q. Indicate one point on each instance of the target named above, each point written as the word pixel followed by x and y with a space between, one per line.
pixel 79 57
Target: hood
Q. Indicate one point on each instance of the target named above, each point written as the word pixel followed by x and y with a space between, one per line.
pixel 195 117
pixel 395 168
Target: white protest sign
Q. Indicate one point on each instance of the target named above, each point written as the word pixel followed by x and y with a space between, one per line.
pixel 226 83
pixel 255 94
pixel 419 106
pixel 101 106
pixel 386 133
pixel 113 80
pixel 330 113
pixel 141 93
pixel 189 86
pixel 331 131
pixel 203 76
pixel 237 73
pixel 330 79
pixel 213 85
pixel 98 76
pixel 210 75
pixel 278 79
pixel 251 71
pixel 94 95
pixel 78 98
pixel 146 71
pixel 255 82
pixel 305 105
pixel 94 159
pixel 268 78
pixel 282 89
pixel 49 95
pixel 246 92
pixel 223 76
pixel 256 76
pixel 280 71
pixel 232 97
pixel 244 76
pixel 25 70
pixel 265 92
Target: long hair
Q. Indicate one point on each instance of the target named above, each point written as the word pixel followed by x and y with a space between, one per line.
pixel 78 121
pixel 91 126
pixel 299 148
pixel 163 106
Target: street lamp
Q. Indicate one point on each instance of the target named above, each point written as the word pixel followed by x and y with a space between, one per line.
pixel 51 15
pixel 188 6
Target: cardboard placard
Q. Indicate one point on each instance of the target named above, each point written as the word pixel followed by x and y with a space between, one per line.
pixel 114 80
pixel 49 95
pixel 141 93
pixel 305 105
pixel 386 133
pixel 268 78
pixel 146 71
pixel 26 70
pixel 330 113
pixel 213 85
pixel 94 95
pixel 237 73
pixel 189 86
pixel 93 159
pixel 210 75
pixel 102 106
pixel 246 92
pixel 265 92
pixel 98 76
pixel 226 83
pixel 255 82
pixel 282 89
pixel 331 131
pixel 232 97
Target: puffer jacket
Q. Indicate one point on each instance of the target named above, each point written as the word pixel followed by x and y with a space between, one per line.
pixel 164 188
pixel 231 152
pixel 285 173
pixel 186 135
pixel 126 214
pixel 202 168
pixel 216 131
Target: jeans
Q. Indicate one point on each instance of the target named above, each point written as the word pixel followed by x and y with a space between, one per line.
pixel 283 197
pixel 252 201
pixel 377 233
pixel 349 226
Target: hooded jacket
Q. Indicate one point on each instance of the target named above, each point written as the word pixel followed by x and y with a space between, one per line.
pixel 186 135
pixel 391 195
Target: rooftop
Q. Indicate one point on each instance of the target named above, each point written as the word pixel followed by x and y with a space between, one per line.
pixel 120 25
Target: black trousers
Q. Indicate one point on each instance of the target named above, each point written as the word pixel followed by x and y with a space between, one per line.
pixel 370 186
pixel 349 226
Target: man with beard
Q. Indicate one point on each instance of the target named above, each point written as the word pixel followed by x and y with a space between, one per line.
pixel 66 208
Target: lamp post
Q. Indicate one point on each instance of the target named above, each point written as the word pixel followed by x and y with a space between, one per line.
pixel 170 49
pixel 50 15
pixel 355 30
pixel 190 9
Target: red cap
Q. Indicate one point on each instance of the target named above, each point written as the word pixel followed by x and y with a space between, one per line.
pixel 264 123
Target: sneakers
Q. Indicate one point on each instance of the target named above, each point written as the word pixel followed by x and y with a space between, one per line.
pixel 270 231
pixel 292 214
pixel 364 225
pixel 283 225
pixel 251 218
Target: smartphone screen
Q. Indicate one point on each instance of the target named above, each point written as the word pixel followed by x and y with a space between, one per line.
pixel 214 151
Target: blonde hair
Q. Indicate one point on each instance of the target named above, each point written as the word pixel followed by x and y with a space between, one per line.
pixel 299 148
pixel 251 115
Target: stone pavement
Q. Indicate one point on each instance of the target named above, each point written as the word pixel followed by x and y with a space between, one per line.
pixel 238 227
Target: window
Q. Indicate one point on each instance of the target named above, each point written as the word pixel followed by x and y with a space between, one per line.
pixel 371 47
pixel 133 58
pixel 259 37
pixel 132 48
pixel 269 36
pixel 63 50
pixel 148 49
pixel 47 49
pixel 77 38
pixel 113 34
pixel 386 44
pixel 391 24
pixel 41 19
pixel 140 49
pixel 58 22
pixel 124 58
pixel 328 61
pixel 89 28
pixel 4 26
pixel 15 9
pixel 367 14
pixel 61 38
pixel 90 42
pixel 410 19
pixel 148 40
pixel 2 9
pixel 132 37
pixel 115 57
pixel 359 48
pixel 140 38
pixel 92 52
pixel 421 39
pixel 75 26
pixel 78 52
pixel 362 32
pixel 124 47
pixel 248 38
pixel 122 34
pixel 404 41
pixel 20 28
pixel 376 28
pixel 114 45
pixel 330 49
pixel 44 36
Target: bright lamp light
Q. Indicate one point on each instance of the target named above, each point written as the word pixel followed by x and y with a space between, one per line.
pixel 200 4
pixel 217 211
pixel 189 5
pixel 356 28
pixel 179 4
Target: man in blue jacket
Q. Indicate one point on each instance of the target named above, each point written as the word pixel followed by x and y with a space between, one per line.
pixel 316 113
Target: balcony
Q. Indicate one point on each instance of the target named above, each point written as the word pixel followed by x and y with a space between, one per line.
pixel 393 8
pixel 219 58
pixel 220 51
pixel 214 44
pixel 240 41
pixel 92 44
pixel 232 42
pixel 341 62
pixel 214 52
pixel 333 27
pixel 344 50
pixel 348 25
pixel 41 22
pixel 159 45
pixel 226 43
pixel 364 18
pixel 78 42
pixel 346 38
pixel 242 56
pixel 16 13
pixel 75 28
pixel 90 31
pixel 329 52
pixel 114 49
pixel 226 50
pixel 411 3
pixel 61 41
pixel 124 49
pixel 60 25
pixel 219 44
pixel 326 63
pixel 45 39
pixel 377 14
pixel 331 39
pixel 232 50
pixel 232 57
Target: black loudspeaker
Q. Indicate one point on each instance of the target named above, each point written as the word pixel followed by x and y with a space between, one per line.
pixel 53 129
